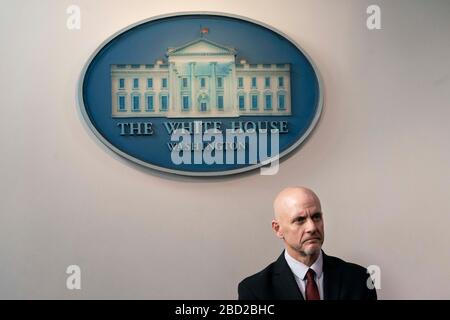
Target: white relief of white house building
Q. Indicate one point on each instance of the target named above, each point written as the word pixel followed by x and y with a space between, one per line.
pixel 201 79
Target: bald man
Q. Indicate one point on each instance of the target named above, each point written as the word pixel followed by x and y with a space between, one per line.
pixel 303 271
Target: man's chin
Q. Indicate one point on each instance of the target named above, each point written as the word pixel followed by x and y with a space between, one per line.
pixel 312 250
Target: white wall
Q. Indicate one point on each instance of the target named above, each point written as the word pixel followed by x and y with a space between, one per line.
pixel 379 159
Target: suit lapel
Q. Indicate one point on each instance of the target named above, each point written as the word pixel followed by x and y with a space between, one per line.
pixel 286 287
pixel 331 279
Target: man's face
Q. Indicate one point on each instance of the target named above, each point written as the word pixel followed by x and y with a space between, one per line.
pixel 300 224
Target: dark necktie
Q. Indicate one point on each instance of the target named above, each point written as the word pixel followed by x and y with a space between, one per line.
pixel 311 292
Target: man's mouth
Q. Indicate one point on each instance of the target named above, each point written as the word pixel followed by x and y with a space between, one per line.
pixel 312 239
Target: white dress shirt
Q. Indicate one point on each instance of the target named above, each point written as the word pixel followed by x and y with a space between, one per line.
pixel 299 270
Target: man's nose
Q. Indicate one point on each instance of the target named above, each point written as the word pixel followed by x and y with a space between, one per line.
pixel 310 226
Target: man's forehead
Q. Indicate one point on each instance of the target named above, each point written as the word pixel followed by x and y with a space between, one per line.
pixel 304 208
pixel 302 200
pixel 293 200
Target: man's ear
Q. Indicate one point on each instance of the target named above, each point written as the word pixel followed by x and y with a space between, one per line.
pixel 276 229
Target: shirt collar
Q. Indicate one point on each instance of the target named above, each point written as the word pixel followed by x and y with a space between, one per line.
pixel 299 269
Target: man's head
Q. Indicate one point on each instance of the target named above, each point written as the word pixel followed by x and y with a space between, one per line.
pixel 298 221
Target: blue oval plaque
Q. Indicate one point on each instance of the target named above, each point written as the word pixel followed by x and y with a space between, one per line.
pixel 200 94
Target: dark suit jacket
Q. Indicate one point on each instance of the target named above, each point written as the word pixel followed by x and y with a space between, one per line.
pixel 342 281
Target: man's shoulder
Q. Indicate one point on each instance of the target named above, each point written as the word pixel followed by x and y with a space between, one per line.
pixel 345 268
pixel 345 280
pixel 260 276
pixel 351 279
pixel 261 285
